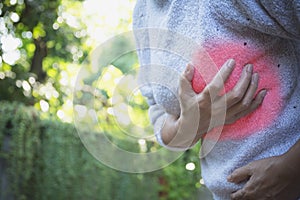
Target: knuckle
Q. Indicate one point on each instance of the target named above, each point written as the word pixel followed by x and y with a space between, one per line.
pixel 238 116
pixel 240 195
pixel 236 96
pixel 245 104
pixel 253 88
pixel 230 120
pixel 248 193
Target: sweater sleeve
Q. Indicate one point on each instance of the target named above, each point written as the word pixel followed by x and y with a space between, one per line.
pixel 156 112
pixel 149 74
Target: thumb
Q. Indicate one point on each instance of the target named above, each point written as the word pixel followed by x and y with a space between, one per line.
pixel 187 95
pixel 189 72
pixel 240 174
pixel 186 78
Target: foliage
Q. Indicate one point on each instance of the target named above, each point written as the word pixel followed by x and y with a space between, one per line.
pixel 182 183
pixel 22 152
pixel 38 40
pixel 46 160
pixel 41 41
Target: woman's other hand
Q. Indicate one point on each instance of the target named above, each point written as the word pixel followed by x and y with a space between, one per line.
pixel 276 178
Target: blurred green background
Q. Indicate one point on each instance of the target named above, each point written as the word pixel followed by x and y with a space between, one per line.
pixel 43 45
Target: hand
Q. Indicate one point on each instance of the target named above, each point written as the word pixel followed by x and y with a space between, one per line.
pixel 216 110
pixel 274 178
pixel 206 110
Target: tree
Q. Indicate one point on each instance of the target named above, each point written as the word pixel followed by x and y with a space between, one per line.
pixel 38 40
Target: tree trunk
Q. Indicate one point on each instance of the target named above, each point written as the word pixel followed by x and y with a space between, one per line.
pixel 37 61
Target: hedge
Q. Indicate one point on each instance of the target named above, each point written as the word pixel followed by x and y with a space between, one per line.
pixel 45 159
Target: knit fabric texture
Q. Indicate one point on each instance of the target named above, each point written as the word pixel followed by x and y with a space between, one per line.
pixel 171 33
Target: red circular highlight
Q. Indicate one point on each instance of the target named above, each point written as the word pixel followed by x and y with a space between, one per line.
pixel 208 60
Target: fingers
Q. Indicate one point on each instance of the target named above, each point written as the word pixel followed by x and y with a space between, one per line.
pixel 239 90
pixel 217 84
pixel 240 174
pixel 251 90
pixel 238 195
pixel 248 97
pixel 247 192
pixel 248 109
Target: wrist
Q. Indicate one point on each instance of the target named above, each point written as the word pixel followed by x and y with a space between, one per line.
pixel 169 129
pixel 179 132
pixel 187 131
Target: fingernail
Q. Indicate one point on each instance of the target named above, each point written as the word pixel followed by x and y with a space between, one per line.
pixel 230 63
pixel 189 68
pixel 264 93
pixel 249 67
pixel 229 178
pixel 255 77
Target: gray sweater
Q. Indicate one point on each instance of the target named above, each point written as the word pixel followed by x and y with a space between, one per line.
pixel 169 34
